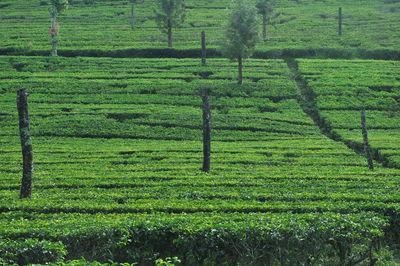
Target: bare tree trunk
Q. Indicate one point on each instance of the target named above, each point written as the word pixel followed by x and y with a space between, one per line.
pixel 26 143
pixel 367 151
pixel 264 30
pixel 340 21
pixel 240 70
pixel 53 32
pixel 169 32
pixel 203 48
pixel 206 131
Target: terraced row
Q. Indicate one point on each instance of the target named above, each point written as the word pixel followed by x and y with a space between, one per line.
pixel 301 24
pixel 343 88
pixel 117 151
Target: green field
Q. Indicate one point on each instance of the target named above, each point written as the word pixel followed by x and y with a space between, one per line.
pixel 342 88
pixel 118 148
pixel 113 137
pixel 303 24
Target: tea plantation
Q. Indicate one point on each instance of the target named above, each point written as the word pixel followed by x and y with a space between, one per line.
pixel 104 27
pixel 117 138
pixel 342 88
pixel 118 155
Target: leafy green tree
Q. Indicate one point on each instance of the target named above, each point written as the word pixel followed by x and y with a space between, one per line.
pixel 266 10
pixel 57 7
pixel 169 14
pixel 241 34
pixel 133 16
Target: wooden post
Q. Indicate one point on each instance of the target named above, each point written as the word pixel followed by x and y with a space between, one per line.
pixel 203 48
pixel 169 32
pixel 133 15
pixel 240 70
pixel 206 130
pixel 53 32
pixel 340 21
pixel 26 143
pixel 367 151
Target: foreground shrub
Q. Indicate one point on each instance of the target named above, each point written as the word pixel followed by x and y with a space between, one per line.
pixel 30 251
pixel 202 238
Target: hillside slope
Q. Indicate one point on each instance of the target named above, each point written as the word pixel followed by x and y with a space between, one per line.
pixel 305 24
pixel 342 88
pixel 117 166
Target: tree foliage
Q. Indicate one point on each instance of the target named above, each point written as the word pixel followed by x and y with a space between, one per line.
pixel 169 13
pixel 59 5
pixel 242 31
pixel 241 34
pixel 265 7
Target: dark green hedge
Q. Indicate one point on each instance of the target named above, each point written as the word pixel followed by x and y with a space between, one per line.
pixel 334 53
pixel 204 239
